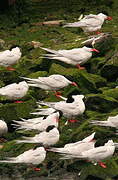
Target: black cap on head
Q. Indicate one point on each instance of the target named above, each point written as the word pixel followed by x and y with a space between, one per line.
pixel 38 145
pixel 60 113
pixel 69 99
pixel 13 46
pixel 49 128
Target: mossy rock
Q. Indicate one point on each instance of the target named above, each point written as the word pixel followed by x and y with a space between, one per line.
pixel 110 69
pixel 11 111
pixel 111 93
pixel 86 81
pixel 101 103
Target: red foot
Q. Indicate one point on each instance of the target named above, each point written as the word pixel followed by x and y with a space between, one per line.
pixel 79 67
pixel 11 69
pixel 18 102
pixel 72 120
pixel 58 94
pixel 98 32
pixel 102 164
pixel 36 169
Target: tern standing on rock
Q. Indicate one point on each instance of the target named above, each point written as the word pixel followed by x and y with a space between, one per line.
pixel 54 82
pixel 47 138
pixel 76 56
pixel 90 23
pixel 77 147
pixel 70 108
pixel 98 154
pixel 39 124
pixel 3 130
pixel 111 122
pixel 32 156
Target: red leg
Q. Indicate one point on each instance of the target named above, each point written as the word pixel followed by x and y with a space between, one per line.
pixel 97 32
pixel 18 102
pixel 102 164
pixel 36 169
pixel 79 67
pixel 72 120
pixel 10 69
pixel 57 94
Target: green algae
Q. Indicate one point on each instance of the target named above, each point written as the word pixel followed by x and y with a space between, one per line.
pixel 18 28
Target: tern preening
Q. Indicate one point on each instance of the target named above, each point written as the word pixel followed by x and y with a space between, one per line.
pixel 15 91
pixel 9 58
pixel 76 56
pixel 90 23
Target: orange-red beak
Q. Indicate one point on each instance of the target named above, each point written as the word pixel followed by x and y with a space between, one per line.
pixel 95 50
pixel 109 18
pixel 74 84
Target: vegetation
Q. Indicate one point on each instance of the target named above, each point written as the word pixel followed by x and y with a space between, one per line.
pixel 19 25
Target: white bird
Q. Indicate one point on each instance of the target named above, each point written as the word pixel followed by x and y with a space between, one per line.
pixel 76 56
pixel 112 121
pixel 14 91
pixel 47 138
pixel 3 128
pixel 97 154
pixel 90 23
pixel 32 156
pixel 39 123
pixel 8 58
pixel 53 82
pixel 77 147
pixel 71 108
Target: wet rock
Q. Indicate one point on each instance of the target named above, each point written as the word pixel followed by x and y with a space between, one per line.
pixel 110 69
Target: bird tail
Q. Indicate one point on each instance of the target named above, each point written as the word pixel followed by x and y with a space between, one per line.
pixel 59 150
pixel 76 24
pixel 99 123
pixel 9 160
pixel 25 140
pixel 46 111
pixel 50 51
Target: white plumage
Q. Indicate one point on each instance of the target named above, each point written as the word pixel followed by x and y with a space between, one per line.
pixel 32 156
pixel 74 56
pixel 47 138
pixel 77 147
pixel 99 153
pixel 14 91
pixel 3 128
pixel 53 82
pixel 90 23
pixel 111 122
pixel 39 124
pixel 8 58
pixel 69 110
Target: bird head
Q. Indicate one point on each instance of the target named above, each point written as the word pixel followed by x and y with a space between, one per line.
pixel 49 128
pixel 74 84
pixel 94 50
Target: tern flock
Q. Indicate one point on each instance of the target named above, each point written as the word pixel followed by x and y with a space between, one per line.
pixel 47 127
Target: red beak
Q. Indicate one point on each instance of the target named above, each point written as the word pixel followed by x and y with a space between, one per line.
pixel 109 18
pixel 74 84
pixel 95 50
